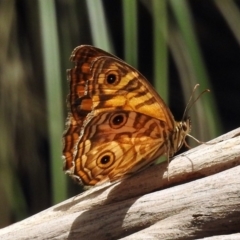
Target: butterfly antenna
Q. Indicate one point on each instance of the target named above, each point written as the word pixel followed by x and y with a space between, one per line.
pixel 188 107
pixel 190 102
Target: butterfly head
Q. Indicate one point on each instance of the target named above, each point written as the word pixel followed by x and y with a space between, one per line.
pixel 186 126
pixel 182 129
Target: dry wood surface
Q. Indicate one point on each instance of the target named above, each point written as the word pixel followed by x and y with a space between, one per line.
pixel 198 197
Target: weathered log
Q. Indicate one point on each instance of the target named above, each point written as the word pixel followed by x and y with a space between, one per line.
pixel 199 196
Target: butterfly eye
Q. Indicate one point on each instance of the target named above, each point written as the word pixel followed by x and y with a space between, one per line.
pixel 118 120
pixel 105 160
pixel 112 78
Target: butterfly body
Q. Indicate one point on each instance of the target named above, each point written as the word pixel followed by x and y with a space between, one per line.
pixel 117 123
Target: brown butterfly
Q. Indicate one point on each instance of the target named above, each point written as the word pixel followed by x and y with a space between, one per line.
pixel 117 124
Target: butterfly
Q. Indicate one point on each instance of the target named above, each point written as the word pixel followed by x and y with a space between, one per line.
pixel 117 123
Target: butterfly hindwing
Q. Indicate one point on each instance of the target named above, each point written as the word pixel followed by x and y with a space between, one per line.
pixel 114 144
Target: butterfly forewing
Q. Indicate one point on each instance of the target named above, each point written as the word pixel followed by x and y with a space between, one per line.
pixel 130 91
